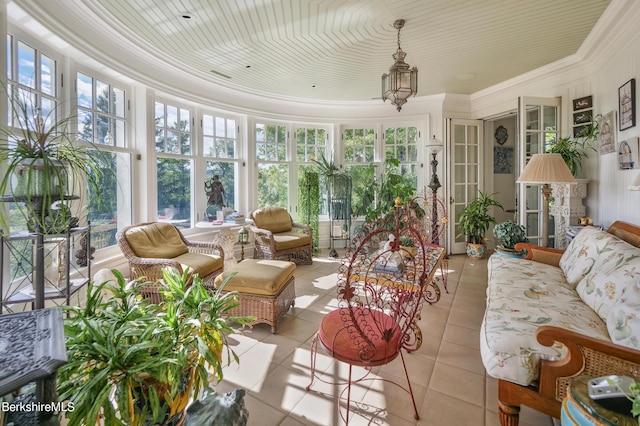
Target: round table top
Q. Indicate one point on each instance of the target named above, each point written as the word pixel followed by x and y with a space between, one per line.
pixel 223 225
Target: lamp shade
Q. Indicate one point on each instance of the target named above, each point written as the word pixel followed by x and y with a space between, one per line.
pixel 435 145
pixel 546 168
pixel 635 186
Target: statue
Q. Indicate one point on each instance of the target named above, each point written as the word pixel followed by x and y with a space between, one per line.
pixel 215 192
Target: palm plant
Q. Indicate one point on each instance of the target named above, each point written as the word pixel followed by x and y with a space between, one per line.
pixel 474 221
pixel 132 362
pixel 574 150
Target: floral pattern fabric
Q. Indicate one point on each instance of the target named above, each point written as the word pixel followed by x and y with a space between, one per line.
pixel 616 267
pixel 522 296
pixel 623 320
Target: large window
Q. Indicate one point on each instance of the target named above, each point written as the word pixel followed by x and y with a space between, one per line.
pixel 220 149
pixel 31 77
pixel 273 167
pixel 102 123
pixel 311 143
pixel 402 143
pixel 359 157
pixel 173 142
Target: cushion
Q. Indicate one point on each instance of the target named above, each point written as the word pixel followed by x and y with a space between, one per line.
pixel 258 276
pixel 201 264
pixel 623 320
pixel 543 256
pixel 289 240
pixel 522 296
pixel 616 267
pixel 340 340
pixel 274 219
pixel 587 248
pixel 156 240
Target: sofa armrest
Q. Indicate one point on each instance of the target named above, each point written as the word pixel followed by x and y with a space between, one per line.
pixel 529 248
pixel 586 356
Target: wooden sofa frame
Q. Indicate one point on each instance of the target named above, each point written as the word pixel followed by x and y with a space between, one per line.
pixel 586 356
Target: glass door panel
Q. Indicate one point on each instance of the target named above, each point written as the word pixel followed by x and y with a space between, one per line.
pixel 538 120
pixel 465 141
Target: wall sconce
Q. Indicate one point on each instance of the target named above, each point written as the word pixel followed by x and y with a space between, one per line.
pixel 635 186
pixel 243 238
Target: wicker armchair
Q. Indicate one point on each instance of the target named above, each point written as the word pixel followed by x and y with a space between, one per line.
pixel 278 237
pixel 150 247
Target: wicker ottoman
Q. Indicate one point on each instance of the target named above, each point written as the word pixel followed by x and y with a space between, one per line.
pixel 266 289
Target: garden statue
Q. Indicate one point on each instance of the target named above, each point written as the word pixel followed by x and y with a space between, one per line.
pixel 214 191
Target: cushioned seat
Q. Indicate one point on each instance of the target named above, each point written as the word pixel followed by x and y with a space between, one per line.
pixel 278 237
pixel 266 289
pixel 151 247
pixel 334 336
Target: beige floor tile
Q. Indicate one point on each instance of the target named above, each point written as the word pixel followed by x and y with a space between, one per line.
pixel 469 319
pixel 460 356
pixel 451 380
pixel 462 336
pixel 439 409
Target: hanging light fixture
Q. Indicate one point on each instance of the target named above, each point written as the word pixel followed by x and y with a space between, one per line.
pixel 401 82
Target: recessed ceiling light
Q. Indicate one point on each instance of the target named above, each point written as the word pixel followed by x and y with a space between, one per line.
pixel 313 86
pixel 186 15
pixel 247 66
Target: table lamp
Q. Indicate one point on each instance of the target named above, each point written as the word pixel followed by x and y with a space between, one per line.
pixel 243 238
pixel 543 169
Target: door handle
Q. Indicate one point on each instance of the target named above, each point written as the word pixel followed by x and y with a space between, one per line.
pixel 451 200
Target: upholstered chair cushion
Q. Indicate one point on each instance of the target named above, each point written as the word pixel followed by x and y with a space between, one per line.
pixel 258 276
pixel 289 240
pixel 156 240
pixel 274 219
pixel 335 337
pixel 199 263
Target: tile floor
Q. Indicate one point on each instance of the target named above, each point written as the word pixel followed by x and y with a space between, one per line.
pixel 448 377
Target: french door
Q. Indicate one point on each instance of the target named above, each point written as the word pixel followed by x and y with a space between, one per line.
pixel 465 173
pixel 538 126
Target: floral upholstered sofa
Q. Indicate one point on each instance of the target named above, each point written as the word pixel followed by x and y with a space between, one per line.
pixel 556 315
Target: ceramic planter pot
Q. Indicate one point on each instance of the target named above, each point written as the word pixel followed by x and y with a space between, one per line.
pixel 476 251
pixel 510 252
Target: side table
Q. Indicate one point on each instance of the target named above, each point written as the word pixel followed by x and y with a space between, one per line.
pixel 225 238
pixel 579 409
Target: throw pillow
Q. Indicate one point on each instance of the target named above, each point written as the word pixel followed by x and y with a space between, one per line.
pixel 623 321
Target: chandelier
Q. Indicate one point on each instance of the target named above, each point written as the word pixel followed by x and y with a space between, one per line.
pixel 401 82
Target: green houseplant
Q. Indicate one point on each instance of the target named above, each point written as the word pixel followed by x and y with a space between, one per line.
pixel 43 162
pixel 574 150
pixel 132 362
pixel 474 222
pixel 309 200
pixel 508 234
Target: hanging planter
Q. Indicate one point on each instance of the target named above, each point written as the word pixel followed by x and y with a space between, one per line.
pixel 35 177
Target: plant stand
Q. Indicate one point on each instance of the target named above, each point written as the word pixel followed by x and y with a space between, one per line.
pixel 339 210
pixel 567 208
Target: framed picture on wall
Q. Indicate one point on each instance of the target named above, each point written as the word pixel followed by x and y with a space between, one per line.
pixel 607 136
pixel 627 104
pixel 628 154
pixel 582 103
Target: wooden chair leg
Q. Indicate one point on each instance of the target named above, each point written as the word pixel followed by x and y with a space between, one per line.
pixel 509 414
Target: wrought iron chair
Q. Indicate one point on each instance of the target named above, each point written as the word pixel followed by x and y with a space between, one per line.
pixel 381 291
pixel 150 247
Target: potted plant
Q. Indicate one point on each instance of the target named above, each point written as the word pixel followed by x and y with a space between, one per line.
pixel 509 234
pixel 574 150
pixel 474 222
pixel 42 161
pixel 408 247
pixel 132 362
